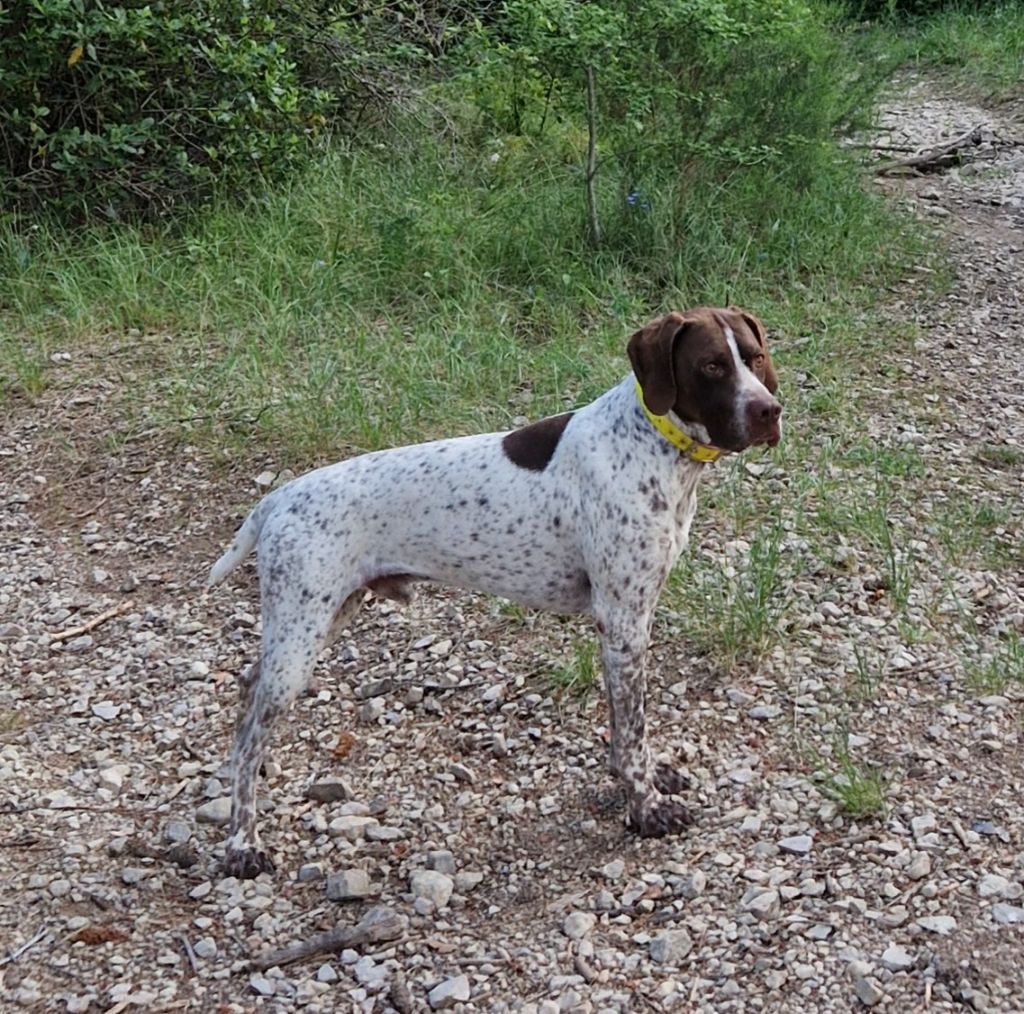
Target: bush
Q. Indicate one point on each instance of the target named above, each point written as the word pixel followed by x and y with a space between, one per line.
pixel 140 105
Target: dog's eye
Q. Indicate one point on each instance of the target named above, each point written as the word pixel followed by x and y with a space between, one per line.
pixel 756 361
pixel 714 369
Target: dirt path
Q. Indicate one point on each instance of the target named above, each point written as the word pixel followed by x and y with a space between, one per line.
pixel 112 738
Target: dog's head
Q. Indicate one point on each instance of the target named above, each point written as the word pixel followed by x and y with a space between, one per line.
pixel 711 368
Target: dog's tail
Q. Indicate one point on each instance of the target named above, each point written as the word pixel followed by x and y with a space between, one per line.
pixel 244 541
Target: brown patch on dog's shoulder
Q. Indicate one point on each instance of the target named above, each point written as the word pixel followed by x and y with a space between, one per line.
pixel 533 446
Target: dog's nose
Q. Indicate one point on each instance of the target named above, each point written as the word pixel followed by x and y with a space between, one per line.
pixel 764 411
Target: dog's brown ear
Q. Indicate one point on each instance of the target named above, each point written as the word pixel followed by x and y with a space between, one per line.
pixel 771 381
pixel 650 352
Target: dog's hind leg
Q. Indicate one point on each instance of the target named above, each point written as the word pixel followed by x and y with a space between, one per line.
pixel 271 685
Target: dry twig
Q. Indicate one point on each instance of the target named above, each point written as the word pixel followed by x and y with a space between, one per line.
pixel 380 924
pixel 99 618
pixel 935 156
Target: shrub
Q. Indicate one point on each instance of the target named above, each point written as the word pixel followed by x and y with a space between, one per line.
pixel 140 105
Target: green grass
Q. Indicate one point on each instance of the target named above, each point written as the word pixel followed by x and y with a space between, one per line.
pixel 1002 667
pixel 581 673
pixel 859 790
pixel 734 612
pixel 411 287
pixel 980 45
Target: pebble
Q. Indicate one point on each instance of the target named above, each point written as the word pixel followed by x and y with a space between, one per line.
pixel 577 925
pixel 868 991
pixel 1007 915
pixel 670 947
pixel 896 959
pixel 432 886
pixel 215 811
pixel 693 885
pixel 941 924
pixel 798 844
pixel 261 984
pixel 919 866
pixel 765 905
pixel 348 885
pixel 351 827
pixel 177 832
pixel 329 790
pixel 613 870
pixel 992 885
pixel 448 993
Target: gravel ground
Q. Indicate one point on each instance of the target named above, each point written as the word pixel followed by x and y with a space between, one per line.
pixel 432 770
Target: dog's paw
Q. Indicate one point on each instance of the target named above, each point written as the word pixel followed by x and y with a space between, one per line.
pixel 656 815
pixel 247 863
pixel 670 780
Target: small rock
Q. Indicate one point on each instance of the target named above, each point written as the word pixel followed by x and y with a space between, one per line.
pixel 106 710
pixel 205 947
pixel 309 872
pixel 351 827
pixel 433 886
pixel 765 905
pixel 1007 915
pixel 441 860
pixel 329 790
pixel 326 973
pixel 670 947
pixel 896 959
pixel 941 924
pixel 177 832
pixel 765 712
pixel 261 984
pixel 693 885
pixel 799 844
pixel 925 824
pixel 578 924
pixel 919 866
pixel 134 874
pixel 348 885
pixel 216 811
pixel 613 870
pixel 867 991
pixel 449 993
pixel 992 885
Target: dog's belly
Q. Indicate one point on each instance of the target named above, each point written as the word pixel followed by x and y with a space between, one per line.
pixel 547 577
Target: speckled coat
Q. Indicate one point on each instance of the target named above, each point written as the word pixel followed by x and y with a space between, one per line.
pixel 583 513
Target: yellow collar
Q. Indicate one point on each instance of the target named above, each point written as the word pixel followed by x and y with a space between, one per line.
pixel 676 437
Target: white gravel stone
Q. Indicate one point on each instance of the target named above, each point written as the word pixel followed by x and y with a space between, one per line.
pixel 765 905
pixel 577 925
pixel 432 886
pixel 1007 915
pixel 215 811
pixel 448 993
pixel 670 947
pixel 896 959
pixel 798 845
pixel 941 924
pixel 868 991
pixel 348 885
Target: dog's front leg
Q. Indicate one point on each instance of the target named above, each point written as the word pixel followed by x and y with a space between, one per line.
pixel 652 810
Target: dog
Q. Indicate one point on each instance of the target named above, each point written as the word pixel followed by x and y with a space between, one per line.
pixel 584 512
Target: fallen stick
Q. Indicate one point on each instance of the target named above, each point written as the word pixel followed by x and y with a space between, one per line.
pixel 380 924
pixel 109 614
pixel 934 155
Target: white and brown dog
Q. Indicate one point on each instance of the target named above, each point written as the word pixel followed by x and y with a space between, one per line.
pixel 581 513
